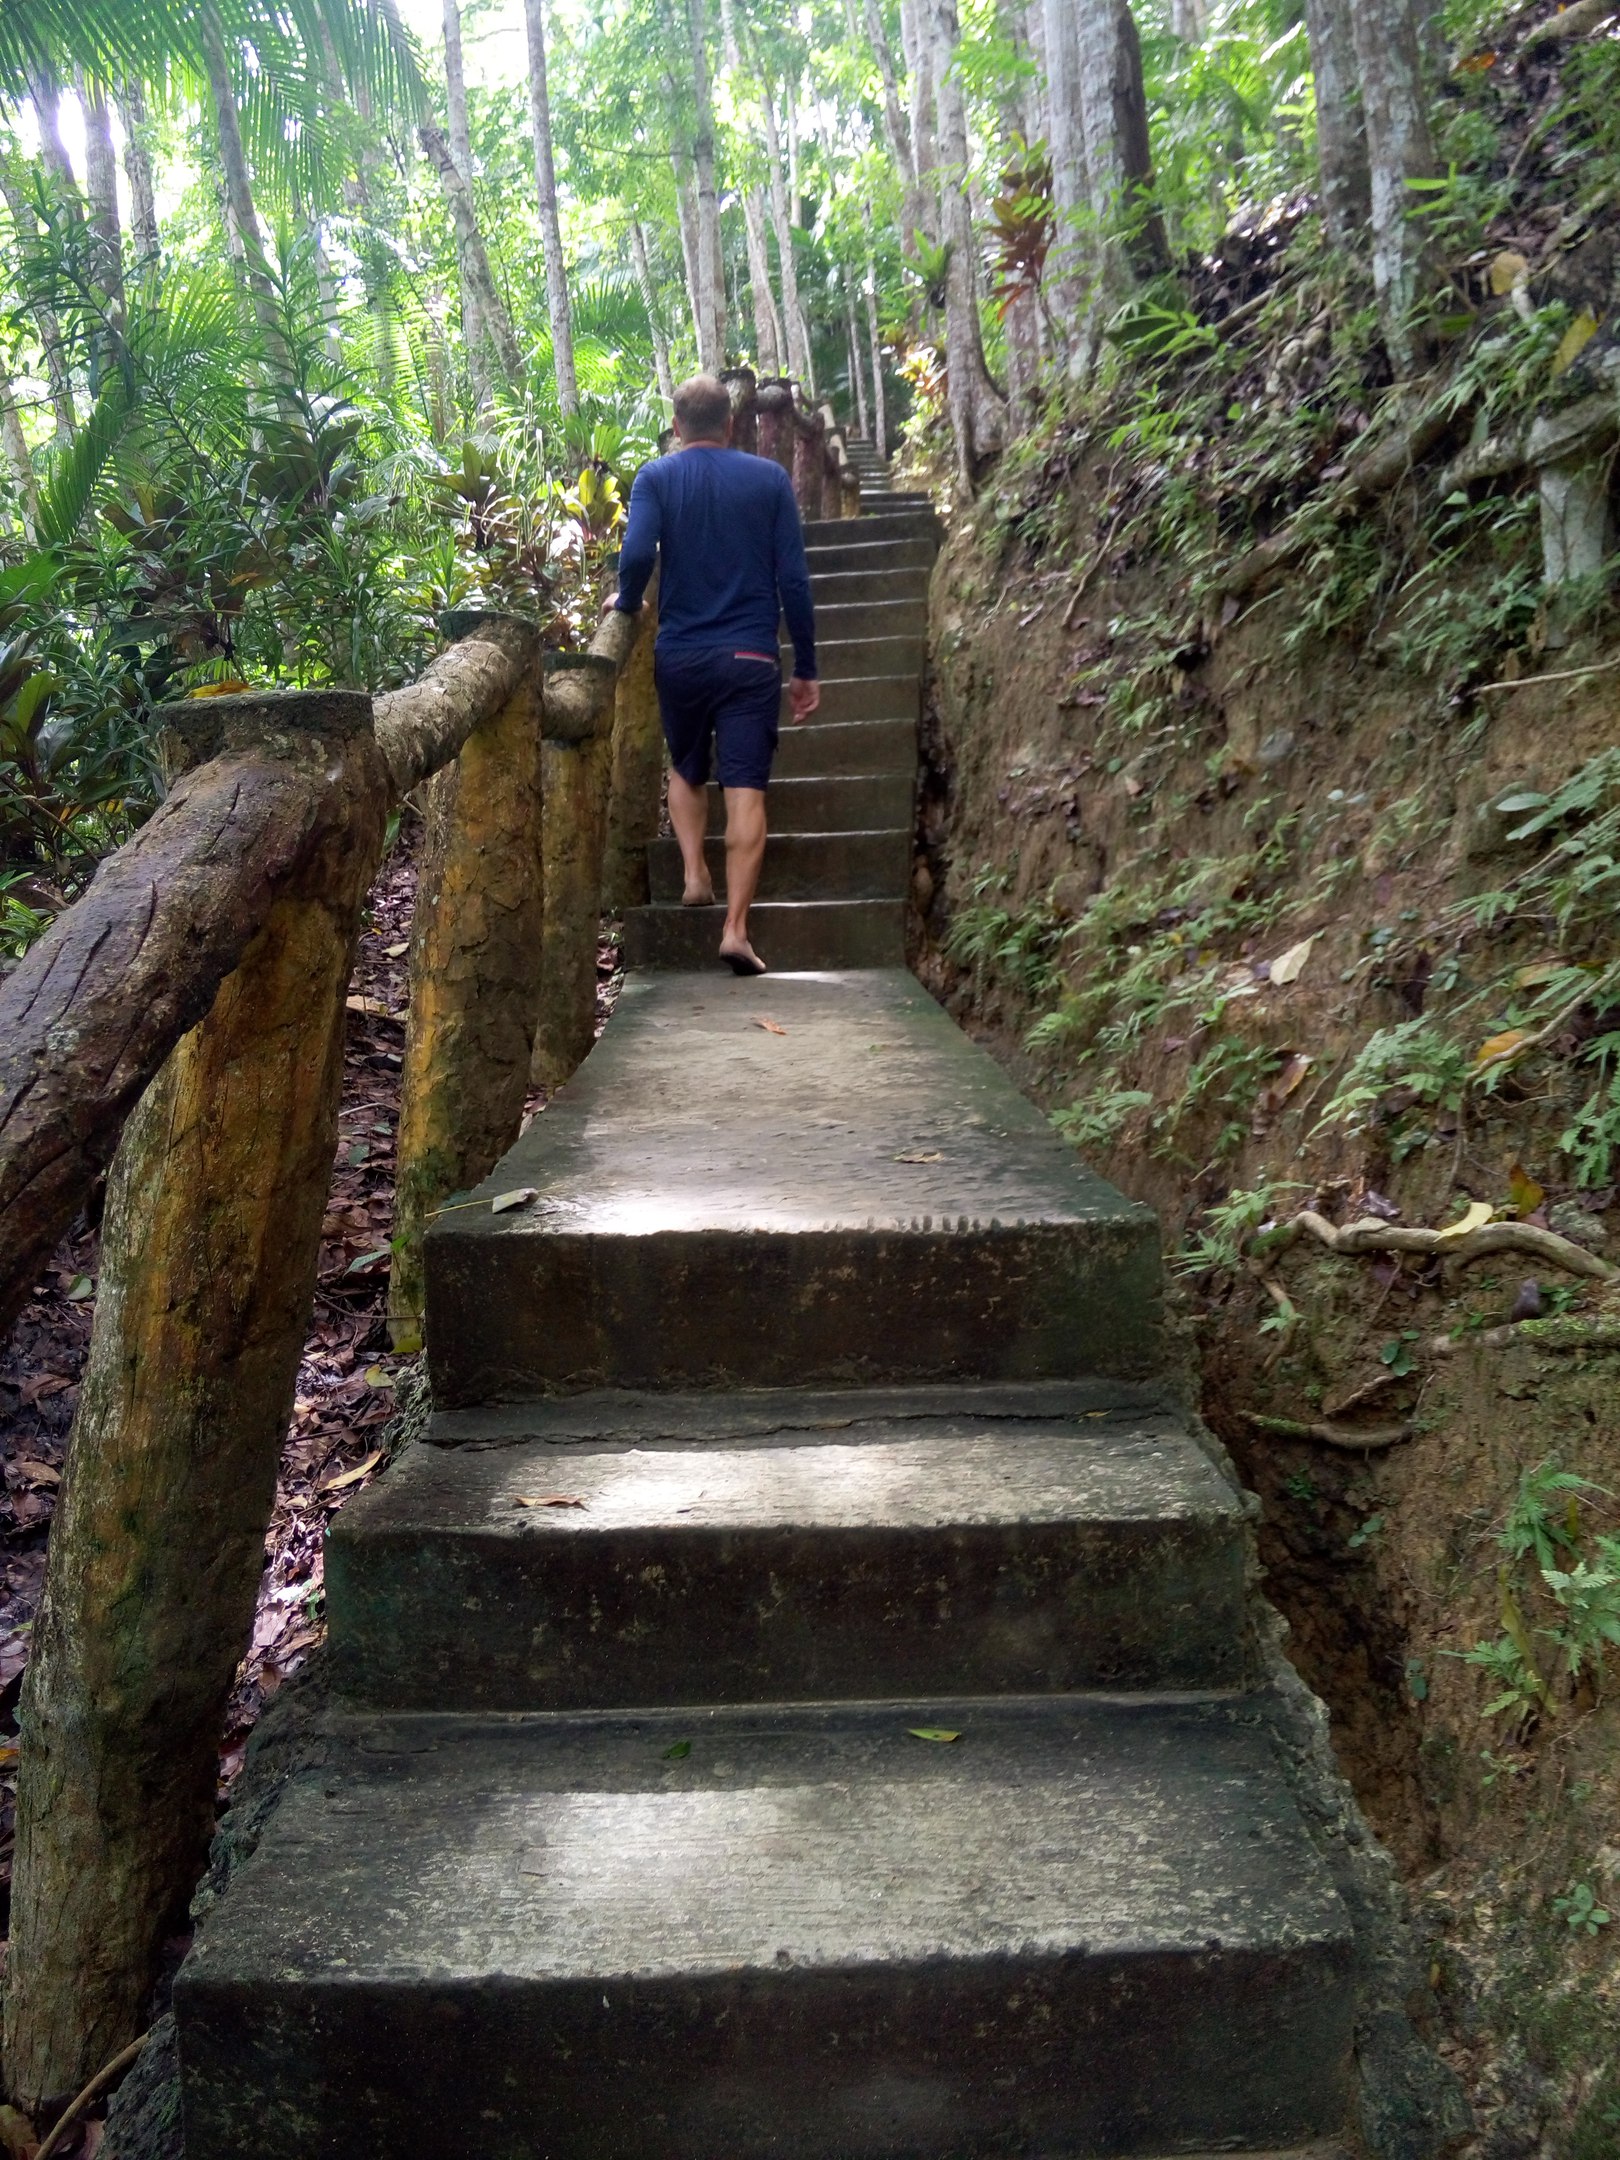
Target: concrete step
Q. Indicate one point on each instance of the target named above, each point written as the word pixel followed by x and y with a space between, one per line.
pixel 856 1195
pixel 1082 1928
pixel 878 614
pixel 856 747
pixel 789 934
pixel 789 1547
pixel 833 803
pixel 865 553
pixel 847 659
pixel 802 866
pixel 871 697
pixel 903 523
pixel 834 588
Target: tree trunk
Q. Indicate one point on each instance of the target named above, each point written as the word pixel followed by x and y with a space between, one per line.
pixel 711 291
pixel 18 457
pixel 246 242
pixel 1119 160
pixel 649 300
pixel 1341 139
pixel 790 136
pixel 143 218
pixel 686 217
pixel 1147 242
pixel 545 179
pixel 475 979
pixel 47 99
pixel 208 1259
pixel 857 380
pixel 470 251
pixel 894 121
pixel 1189 19
pixel 637 779
pixel 767 323
pixel 880 406
pixel 1400 149
pixel 101 188
pixel 798 348
pixel 978 410
pixel 918 44
pixel 474 331
pixel 15 188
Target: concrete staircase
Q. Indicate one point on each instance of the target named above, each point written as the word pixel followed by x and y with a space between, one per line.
pixel 800 1700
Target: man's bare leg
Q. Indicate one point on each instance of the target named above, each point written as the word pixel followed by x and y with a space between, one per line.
pixel 689 815
pixel 745 852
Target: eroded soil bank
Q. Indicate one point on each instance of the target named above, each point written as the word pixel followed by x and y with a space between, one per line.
pixel 1213 892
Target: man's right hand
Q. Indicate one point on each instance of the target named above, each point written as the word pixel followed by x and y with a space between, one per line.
pixel 804 695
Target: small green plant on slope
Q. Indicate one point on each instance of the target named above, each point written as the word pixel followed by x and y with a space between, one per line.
pixel 1233 1226
pixel 1547 1564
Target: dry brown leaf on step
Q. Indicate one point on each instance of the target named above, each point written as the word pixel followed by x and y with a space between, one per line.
pixel 935 1157
pixel 770 1026
pixel 548 1499
pixel 519 1196
pixel 372 1008
pixel 353 1477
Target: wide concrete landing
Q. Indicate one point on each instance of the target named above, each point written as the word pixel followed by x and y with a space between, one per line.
pixel 748 1549
pixel 851 1193
pixel 1079 1928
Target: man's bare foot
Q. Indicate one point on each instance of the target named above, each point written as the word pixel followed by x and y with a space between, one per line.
pixel 741 957
pixel 698 895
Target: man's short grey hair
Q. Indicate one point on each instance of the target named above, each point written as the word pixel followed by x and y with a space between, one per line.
pixel 702 409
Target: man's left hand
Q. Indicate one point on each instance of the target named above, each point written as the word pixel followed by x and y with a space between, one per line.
pixel 804 695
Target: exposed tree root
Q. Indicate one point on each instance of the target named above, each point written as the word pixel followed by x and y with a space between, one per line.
pixel 1369 1235
pixel 1358 1439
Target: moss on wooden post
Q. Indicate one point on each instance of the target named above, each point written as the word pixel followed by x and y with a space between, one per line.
pixel 637 778
pixel 576 759
pixel 474 969
pixel 209 1250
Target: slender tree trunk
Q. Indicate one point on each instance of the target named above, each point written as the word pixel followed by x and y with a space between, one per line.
pixel 767 322
pixel 686 220
pixel 14 186
pixel 880 406
pixel 474 331
pixel 711 291
pixel 924 150
pixel 558 311
pixel 798 347
pixel 1400 149
pixel 1341 138
pixel 978 409
pixel 649 300
pixel 857 379
pixel 1072 260
pixel 470 250
pixel 790 135
pixel 47 100
pixel 101 189
pixel 23 476
pixel 1189 19
pixel 245 239
pixel 894 120
pixel 143 219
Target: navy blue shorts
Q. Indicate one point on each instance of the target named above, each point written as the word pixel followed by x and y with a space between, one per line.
pixel 732 699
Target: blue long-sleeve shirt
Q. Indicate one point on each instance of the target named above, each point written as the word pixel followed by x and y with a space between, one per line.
pixel 727 528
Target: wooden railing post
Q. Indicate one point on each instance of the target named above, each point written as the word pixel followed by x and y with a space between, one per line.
pixel 638 774
pixel 773 404
pixel 744 387
pixel 576 758
pixel 210 1245
pixel 809 456
pixel 474 966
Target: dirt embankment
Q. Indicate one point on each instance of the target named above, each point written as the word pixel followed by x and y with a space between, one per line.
pixel 1213 899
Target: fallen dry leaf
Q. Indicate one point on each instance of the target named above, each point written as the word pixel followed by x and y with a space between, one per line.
pixel 40 1473
pixel 17 2134
pixel 1277 1092
pixel 38 1385
pixel 519 1196
pixel 1508 269
pixel 548 1499
pixel 353 1477
pixel 372 1008
pixel 935 1157
pixel 1290 965
pixel 1525 1194
pixel 769 1025
pixel 1479 1214
pixel 394 952
pixel 1496 1047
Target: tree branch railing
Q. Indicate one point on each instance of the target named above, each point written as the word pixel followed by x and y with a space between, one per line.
pixel 181 1028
